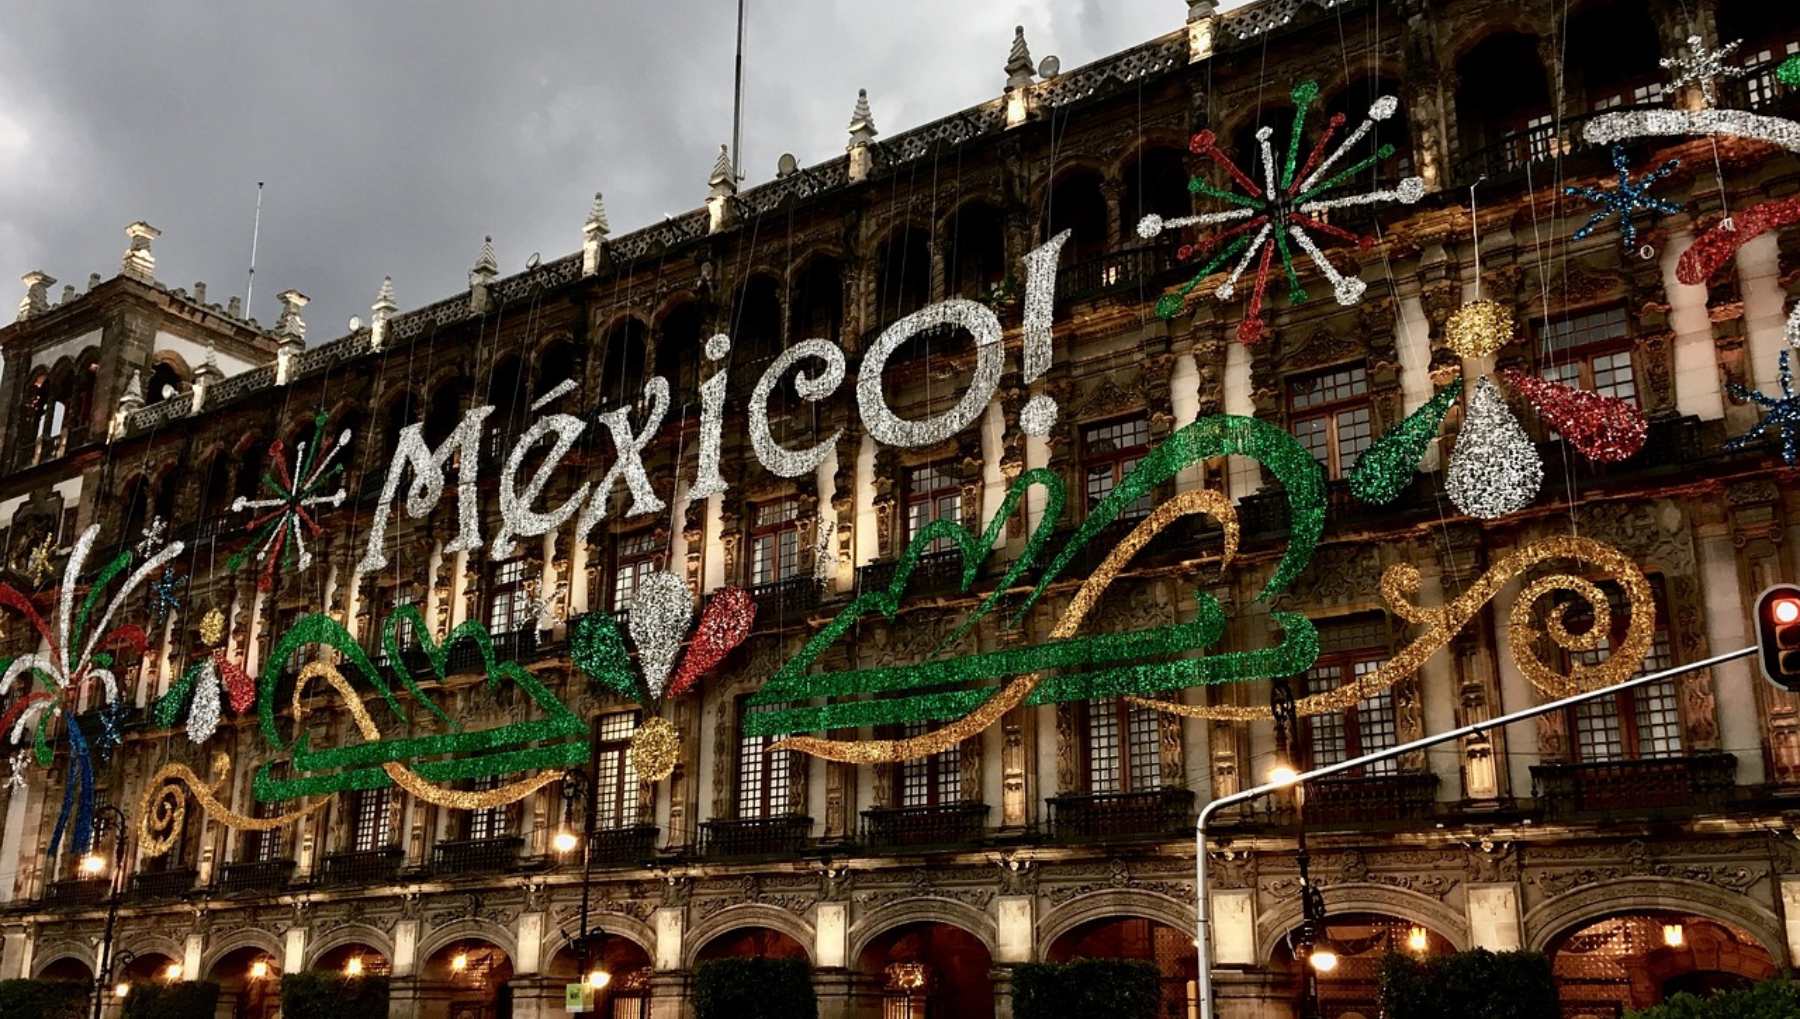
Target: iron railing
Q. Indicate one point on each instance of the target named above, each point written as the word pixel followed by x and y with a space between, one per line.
pixel 170 884
pixel 254 876
pixel 475 856
pixel 1105 816
pixel 784 601
pixel 1356 799
pixel 1680 785
pixel 363 867
pixel 624 846
pixel 934 573
pixel 76 892
pixel 784 835
pixel 949 824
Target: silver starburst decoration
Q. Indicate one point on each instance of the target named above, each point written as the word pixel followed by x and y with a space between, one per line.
pixel 1704 67
pixel 152 537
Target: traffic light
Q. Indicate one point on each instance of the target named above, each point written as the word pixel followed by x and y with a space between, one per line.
pixel 1778 635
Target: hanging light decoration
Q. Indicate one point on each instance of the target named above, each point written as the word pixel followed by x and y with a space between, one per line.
pixel 1494 470
pixel 1479 328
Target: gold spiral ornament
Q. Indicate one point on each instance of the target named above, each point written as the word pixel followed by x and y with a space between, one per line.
pixel 162 809
pixel 1400 584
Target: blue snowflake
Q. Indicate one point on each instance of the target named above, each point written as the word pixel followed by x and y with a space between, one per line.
pixel 1780 416
pixel 1626 199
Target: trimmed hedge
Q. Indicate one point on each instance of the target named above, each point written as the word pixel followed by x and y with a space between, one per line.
pixel 43 999
pixel 1771 999
pixel 1112 988
pixel 188 999
pixel 333 996
pixel 1474 985
pixel 751 988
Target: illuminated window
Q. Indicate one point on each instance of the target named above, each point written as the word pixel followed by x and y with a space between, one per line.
pixel 775 542
pixel 1108 453
pixel 508 610
pixel 371 823
pixel 764 776
pixel 1590 350
pixel 1124 747
pixel 640 555
pixel 1642 722
pixel 1332 416
pixel 1349 651
pixel 932 493
pixel 616 786
pixel 930 781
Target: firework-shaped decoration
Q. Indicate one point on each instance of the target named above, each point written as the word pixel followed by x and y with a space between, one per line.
pixel 80 649
pixel 152 537
pixel 661 613
pixel 1501 470
pixel 281 524
pixel 1281 212
pixel 206 684
pixel 1625 199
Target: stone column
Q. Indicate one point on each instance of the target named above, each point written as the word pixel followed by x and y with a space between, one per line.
pixel 16 945
pixel 536 997
pixel 1727 626
pixel 1494 917
pixel 669 995
pixel 1233 912
pixel 1002 977
pixel 1244 477
pixel 1696 366
pixel 1765 307
pixel 293 950
pixel 1790 908
pixel 405 998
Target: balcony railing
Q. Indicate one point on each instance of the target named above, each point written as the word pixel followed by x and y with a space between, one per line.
pixel 76 892
pixel 1104 816
pixel 756 836
pixel 935 573
pixel 475 856
pixel 364 867
pixel 1146 266
pixel 171 884
pixel 1354 799
pixel 623 847
pixel 950 824
pixel 1684 785
pixel 1760 90
pixel 1519 152
pixel 254 876
pixel 784 600
pixel 518 645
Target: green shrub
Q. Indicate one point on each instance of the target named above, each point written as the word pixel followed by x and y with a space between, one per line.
pixel 1111 988
pixel 333 996
pixel 1470 985
pixel 752 988
pixel 43 999
pixel 1771 999
pixel 188 999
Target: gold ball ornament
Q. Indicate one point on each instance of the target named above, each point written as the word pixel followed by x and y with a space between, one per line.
pixel 1479 328
pixel 212 627
pixel 654 748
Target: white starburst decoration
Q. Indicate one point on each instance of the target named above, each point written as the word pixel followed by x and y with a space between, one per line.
pixel 1703 67
pixel 282 523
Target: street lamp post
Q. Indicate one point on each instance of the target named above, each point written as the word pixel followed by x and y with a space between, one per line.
pixel 106 816
pixel 583 785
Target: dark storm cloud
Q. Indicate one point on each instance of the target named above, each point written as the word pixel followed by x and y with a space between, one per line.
pixel 394 135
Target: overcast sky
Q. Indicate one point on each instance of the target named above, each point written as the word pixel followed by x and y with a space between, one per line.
pixel 394 135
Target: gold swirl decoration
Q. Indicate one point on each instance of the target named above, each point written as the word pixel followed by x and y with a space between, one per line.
pixel 162 810
pixel 882 751
pixel 405 777
pixel 1400 584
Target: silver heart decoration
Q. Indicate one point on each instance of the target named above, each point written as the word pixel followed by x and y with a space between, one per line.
pixel 660 613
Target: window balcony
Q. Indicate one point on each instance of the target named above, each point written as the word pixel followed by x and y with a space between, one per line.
pixel 1358 799
pixel 1127 270
pixel 1104 817
pixel 77 892
pixel 170 884
pixel 364 867
pixel 254 876
pixel 465 655
pixel 475 856
pixel 935 573
pixel 785 835
pixel 787 600
pixel 950 824
pixel 1650 785
pixel 628 846
pixel 1534 150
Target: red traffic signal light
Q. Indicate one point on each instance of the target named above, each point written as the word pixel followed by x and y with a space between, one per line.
pixel 1778 635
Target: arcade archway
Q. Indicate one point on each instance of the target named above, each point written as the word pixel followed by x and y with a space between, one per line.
pixel 1170 950
pixel 626 965
pixel 1635 960
pixel 249 980
pixel 1359 942
pixel 929 970
pixel 466 979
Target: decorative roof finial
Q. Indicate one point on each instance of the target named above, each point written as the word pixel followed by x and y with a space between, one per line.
pixel 139 262
pixel 723 182
pixel 596 221
pixel 593 235
pixel 290 328
pixel 862 122
pixel 486 265
pixel 1019 68
pixel 37 293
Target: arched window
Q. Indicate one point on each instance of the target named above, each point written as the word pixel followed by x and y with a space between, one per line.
pixel 505 393
pixel 1503 129
pixel 817 309
pixel 622 370
pixel 1621 50
pixel 1078 204
pixel 557 362
pixel 902 275
pixel 755 329
pixel 678 345
pixel 975 249
pixel 165 383
pixel 1156 182
pixel 447 404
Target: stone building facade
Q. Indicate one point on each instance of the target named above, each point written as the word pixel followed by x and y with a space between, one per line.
pixel 1648 845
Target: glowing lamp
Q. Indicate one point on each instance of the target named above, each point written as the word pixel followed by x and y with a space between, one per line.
pixel 1673 935
pixel 1324 959
pixel 259 969
pixel 353 967
pixel 564 841
pixel 121 989
pixel 172 972
pixel 92 864
pixel 598 979
pixel 1417 940
pixel 1283 775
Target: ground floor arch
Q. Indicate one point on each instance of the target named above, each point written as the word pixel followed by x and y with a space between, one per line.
pixel 751 941
pixel 927 970
pixel 626 965
pixel 249 979
pixel 352 958
pixel 1638 959
pixel 66 967
pixel 1358 941
pixel 465 978
pixel 1169 949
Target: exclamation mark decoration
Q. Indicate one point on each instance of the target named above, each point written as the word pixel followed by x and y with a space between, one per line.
pixel 1039 413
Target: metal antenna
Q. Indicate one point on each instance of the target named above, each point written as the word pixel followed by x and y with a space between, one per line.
pixel 737 106
pixel 255 234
